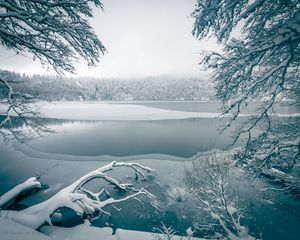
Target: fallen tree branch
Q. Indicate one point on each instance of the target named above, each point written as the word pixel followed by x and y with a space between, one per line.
pixel 76 197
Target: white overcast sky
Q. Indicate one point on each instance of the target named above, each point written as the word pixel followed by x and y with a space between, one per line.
pixel 143 38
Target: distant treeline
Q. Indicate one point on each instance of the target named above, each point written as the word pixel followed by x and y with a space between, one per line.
pixel 45 87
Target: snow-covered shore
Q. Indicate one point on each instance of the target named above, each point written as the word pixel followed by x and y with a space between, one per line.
pixel 14 231
pixel 18 162
pixel 105 111
pixel 59 173
pixel 80 110
pixel 11 230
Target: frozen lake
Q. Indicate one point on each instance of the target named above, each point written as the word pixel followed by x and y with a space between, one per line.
pixel 213 106
pixel 181 137
pixel 86 131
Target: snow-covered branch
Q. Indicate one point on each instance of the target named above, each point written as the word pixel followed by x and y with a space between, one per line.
pixel 259 65
pixel 29 184
pixel 57 32
pixel 76 197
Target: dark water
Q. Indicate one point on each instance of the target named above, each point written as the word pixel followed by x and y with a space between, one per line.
pixel 182 138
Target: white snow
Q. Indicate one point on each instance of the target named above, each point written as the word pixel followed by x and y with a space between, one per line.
pixel 79 110
pixel 106 111
pixel 34 216
pixel 251 7
pixel 84 232
pixel 30 183
pixel 10 230
pixel 122 234
pixel 58 173
pixel 80 232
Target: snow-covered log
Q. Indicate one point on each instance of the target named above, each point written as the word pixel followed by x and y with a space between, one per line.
pixel 81 200
pixel 31 183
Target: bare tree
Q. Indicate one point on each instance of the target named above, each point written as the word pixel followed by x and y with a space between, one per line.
pixel 55 32
pixel 261 66
pixel 77 196
pixel 208 181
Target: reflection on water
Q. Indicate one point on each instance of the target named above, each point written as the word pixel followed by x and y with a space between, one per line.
pixel 182 138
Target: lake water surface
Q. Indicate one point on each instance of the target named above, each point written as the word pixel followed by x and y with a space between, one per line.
pixel 180 137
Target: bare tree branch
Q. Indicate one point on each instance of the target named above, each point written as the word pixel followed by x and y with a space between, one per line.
pixel 262 66
pixel 55 32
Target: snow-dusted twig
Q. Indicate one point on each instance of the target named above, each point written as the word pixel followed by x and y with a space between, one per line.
pixel 18 105
pixel 208 182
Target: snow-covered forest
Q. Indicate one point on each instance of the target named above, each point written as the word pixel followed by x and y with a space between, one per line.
pixel 54 88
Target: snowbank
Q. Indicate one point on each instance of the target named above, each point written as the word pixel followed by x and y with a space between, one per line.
pixel 122 234
pixel 84 231
pixel 80 232
pixel 13 231
pixel 10 230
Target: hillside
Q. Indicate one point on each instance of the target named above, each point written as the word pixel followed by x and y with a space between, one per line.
pixel 90 89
